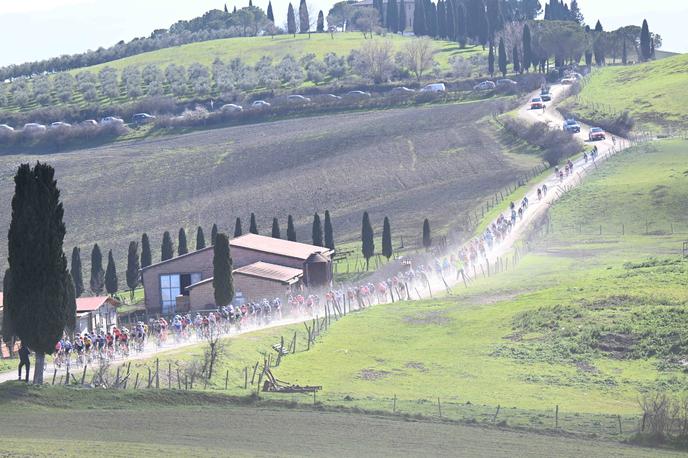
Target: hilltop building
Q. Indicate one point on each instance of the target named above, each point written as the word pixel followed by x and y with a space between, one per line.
pixel 264 267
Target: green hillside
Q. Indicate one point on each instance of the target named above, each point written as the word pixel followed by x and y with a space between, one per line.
pixel 251 49
pixel 655 93
pixel 587 322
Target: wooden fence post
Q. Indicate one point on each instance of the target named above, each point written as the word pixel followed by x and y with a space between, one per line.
pixel 556 416
pixel 439 406
pixel 226 379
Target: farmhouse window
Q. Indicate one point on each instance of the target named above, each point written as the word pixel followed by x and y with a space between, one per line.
pixel 170 287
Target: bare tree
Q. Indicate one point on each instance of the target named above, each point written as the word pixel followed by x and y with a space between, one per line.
pixel 417 56
pixel 366 20
pixel 213 352
pixel 375 60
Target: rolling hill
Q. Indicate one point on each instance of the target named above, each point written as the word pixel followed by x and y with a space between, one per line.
pixel 589 321
pixel 436 162
pixel 654 93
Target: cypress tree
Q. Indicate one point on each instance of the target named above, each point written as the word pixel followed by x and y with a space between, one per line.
pixel 329 233
pixel 516 60
pixel 304 20
pixel 271 16
pixel 317 231
pixel 182 248
pixel 40 299
pixel 427 239
pixel 645 42
pixel 431 18
pixel 491 61
pixel 200 238
pixel 483 26
pixel 76 272
pixel 320 28
pixel 226 11
pixel 450 8
pixel 392 13
pixel 250 3
pixel 419 28
pixel 401 23
pixel 133 275
pixel 461 27
pixel 291 232
pixel 367 239
pixel 441 19
pixel 146 256
pixel 238 230
pixel 97 273
pixel 111 282
pixel 527 48
pixel 213 234
pixel 624 53
pixel 167 247
pixel 223 286
pixel 291 20
pixel 387 250
pixel 234 10
pixel 598 27
pixel 275 229
pixel 253 229
pixel 495 19
pixel 502 57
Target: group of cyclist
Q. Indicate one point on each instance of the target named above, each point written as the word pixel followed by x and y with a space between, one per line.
pixel 118 342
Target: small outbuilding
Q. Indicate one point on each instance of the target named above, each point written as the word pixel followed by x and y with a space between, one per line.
pixel 96 313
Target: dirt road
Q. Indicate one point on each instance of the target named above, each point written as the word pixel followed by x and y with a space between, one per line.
pixel 536 209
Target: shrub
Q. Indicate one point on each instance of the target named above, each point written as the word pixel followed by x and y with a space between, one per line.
pixel 555 143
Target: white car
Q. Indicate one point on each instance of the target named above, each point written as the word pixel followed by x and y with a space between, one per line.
pixel 260 104
pixel 6 128
pixel 331 97
pixel 358 95
pixel 484 86
pixel 506 82
pixel 59 124
pixel 108 120
pixel 89 123
pixel 435 87
pixel 296 98
pixel 231 108
pixel 34 127
pixel 402 90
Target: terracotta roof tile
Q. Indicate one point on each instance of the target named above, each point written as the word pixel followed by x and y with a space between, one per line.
pixel 277 246
pixel 270 272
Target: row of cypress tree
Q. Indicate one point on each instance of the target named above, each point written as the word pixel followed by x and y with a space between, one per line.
pixel 107 279
pixel 368 238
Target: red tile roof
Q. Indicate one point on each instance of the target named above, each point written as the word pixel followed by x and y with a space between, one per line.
pixel 91 304
pixel 270 272
pixel 277 246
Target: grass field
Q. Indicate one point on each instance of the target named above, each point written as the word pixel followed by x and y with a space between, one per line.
pixel 65 422
pixel 655 93
pixel 587 322
pixel 251 49
pixel 432 162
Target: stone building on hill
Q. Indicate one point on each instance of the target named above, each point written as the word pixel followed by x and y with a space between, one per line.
pixel 264 267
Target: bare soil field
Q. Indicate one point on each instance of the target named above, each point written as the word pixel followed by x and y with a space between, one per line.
pixel 437 162
pixel 169 423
